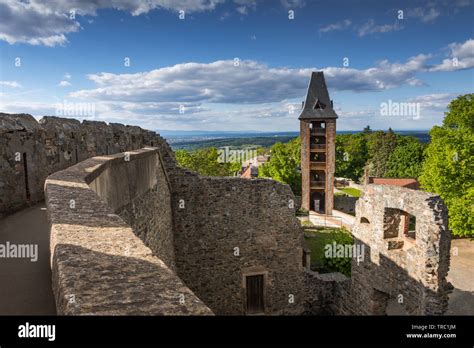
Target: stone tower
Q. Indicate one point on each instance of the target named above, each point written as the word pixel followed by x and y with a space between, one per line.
pixel 318 149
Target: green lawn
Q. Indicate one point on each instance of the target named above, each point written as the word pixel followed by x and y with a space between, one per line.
pixel 351 191
pixel 320 238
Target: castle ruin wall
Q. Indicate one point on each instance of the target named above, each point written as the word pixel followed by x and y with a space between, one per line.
pixel 144 231
pixel 229 228
pixel 406 241
pixel 99 265
pixel 32 150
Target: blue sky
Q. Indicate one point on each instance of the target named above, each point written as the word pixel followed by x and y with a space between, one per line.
pixel 235 64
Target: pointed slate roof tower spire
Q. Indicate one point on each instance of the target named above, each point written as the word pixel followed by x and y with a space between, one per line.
pixel 317 104
pixel 318 148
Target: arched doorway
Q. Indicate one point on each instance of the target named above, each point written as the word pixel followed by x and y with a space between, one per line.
pixel 318 202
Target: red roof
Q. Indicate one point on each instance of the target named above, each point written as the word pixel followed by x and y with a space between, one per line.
pixel 403 182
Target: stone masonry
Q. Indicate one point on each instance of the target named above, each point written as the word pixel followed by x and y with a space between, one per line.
pixel 407 250
pixel 228 228
pixel 31 150
pixel 99 265
pixel 199 243
pixel 133 233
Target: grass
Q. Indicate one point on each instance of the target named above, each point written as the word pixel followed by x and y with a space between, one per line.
pixel 320 237
pixel 351 191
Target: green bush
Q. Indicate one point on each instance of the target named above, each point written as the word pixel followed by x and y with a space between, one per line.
pixel 338 264
pixel 302 212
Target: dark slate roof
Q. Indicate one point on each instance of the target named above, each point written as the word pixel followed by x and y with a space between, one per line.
pixel 317 104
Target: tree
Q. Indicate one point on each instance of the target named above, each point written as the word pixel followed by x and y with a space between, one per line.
pixel 205 161
pixel 460 113
pixel 448 169
pixel 406 160
pixel 381 145
pixel 283 164
pixel 351 155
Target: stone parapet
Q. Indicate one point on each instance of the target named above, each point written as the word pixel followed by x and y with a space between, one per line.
pixel 32 150
pixel 99 265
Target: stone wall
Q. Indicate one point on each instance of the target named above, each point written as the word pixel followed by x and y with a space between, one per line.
pixel 143 200
pixel 213 232
pixel 99 265
pixel 22 160
pixel 401 273
pixel 218 231
pixel 324 293
pixel 127 229
pixel 31 150
pixel 345 203
pixel 227 228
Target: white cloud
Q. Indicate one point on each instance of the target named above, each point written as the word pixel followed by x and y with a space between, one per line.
pixel 33 108
pixel 279 116
pixel 461 57
pixel 33 24
pixel 12 84
pixel 426 15
pixel 243 6
pixel 219 95
pixel 340 25
pixel 434 101
pixel 67 76
pixel 134 7
pixel 432 108
pixel 224 16
pixel 46 23
pixel 250 82
pixel 64 83
pixel 383 76
pixel 290 4
pixel 370 27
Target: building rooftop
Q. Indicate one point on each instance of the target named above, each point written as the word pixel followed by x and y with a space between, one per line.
pixel 318 105
pixel 402 182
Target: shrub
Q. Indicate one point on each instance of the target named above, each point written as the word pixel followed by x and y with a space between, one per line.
pixel 338 264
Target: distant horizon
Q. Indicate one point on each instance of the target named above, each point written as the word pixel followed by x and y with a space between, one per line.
pixel 275 132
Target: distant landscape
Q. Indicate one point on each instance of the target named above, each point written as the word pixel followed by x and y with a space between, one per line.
pixel 193 140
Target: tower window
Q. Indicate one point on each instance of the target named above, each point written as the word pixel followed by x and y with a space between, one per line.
pixel 319 105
